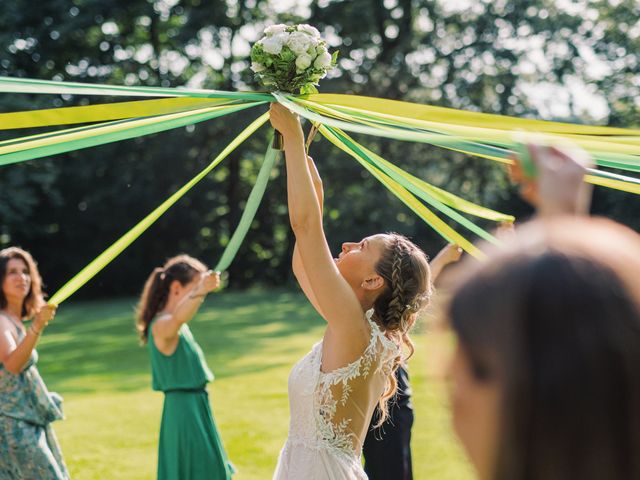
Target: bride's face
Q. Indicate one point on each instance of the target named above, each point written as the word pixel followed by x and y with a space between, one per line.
pixel 357 260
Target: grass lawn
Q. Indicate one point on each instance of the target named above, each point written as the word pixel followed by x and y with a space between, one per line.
pixel 91 356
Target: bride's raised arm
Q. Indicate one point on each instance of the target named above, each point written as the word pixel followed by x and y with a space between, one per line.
pixel 334 297
pixel 296 264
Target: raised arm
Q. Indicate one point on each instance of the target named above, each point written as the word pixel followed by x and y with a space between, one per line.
pixel 15 356
pixel 297 265
pixel 449 254
pixel 335 299
pixel 168 325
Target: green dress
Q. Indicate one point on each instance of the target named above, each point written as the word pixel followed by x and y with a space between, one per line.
pixel 190 446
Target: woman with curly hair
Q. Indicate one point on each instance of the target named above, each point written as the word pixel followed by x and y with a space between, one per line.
pixel 28 446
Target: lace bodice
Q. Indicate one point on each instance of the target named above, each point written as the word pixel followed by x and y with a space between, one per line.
pixel 332 410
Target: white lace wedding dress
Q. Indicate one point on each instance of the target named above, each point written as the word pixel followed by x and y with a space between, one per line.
pixel 330 412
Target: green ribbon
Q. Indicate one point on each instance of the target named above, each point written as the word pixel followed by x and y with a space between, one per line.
pixel 29 85
pixel 465 144
pixel 106 257
pixel 84 137
pixel 403 194
pixel 250 209
pixel 474 133
pixel 410 184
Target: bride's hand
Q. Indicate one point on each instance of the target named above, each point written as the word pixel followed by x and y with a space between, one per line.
pixel 287 123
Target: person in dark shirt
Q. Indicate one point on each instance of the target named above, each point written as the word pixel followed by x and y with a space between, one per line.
pixel 387 449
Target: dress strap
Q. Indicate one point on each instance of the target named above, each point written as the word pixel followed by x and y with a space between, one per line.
pixel 13 322
pixel 378 334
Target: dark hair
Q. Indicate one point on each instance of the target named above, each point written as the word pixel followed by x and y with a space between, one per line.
pixel 182 268
pixel 406 292
pixel 34 298
pixel 554 319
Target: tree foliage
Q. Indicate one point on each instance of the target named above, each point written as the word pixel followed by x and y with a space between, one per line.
pixel 560 59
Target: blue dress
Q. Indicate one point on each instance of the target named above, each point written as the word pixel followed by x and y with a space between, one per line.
pixel 28 446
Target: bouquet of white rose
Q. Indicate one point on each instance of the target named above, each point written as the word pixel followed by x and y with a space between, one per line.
pixel 291 58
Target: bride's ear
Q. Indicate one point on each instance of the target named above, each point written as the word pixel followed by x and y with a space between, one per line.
pixel 373 282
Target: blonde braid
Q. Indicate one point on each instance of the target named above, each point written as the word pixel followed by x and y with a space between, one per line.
pixel 398 304
pixel 408 288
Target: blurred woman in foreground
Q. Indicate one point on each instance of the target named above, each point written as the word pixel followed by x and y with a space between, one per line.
pixel 545 381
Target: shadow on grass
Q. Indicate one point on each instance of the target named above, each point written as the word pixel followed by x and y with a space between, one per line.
pixel 93 346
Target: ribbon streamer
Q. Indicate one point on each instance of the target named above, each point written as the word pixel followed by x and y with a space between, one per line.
pixel 29 85
pixel 484 135
pixel 405 196
pixel 468 144
pixel 250 209
pixel 106 257
pixel 83 137
pixel 104 112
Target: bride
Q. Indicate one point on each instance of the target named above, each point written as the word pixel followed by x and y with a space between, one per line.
pixel 369 297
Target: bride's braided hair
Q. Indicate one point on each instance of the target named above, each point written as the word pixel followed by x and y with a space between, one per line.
pixel 407 291
pixel 182 268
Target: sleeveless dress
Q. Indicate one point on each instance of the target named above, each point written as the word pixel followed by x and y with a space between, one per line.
pixel 29 448
pixel 190 447
pixel 331 412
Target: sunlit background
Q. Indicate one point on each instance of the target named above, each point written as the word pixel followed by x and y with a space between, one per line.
pixel 574 61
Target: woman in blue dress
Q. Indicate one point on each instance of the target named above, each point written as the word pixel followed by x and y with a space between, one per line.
pixel 28 447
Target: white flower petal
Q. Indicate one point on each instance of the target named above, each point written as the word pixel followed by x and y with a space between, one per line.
pixel 257 67
pixel 275 29
pixel 323 61
pixel 303 62
pixel 299 42
pixel 272 45
pixel 309 30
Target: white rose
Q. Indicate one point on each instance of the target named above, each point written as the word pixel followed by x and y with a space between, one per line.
pixel 303 62
pixel 257 67
pixel 272 45
pixel 323 61
pixel 309 30
pixel 320 49
pixel 299 43
pixel 283 37
pixel 275 29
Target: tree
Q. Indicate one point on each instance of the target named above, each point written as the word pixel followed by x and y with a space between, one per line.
pixel 492 56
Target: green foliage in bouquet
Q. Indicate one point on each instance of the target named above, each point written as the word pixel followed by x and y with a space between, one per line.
pixel 291 58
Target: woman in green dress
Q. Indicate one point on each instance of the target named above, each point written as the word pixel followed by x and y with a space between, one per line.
pixel 190 447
